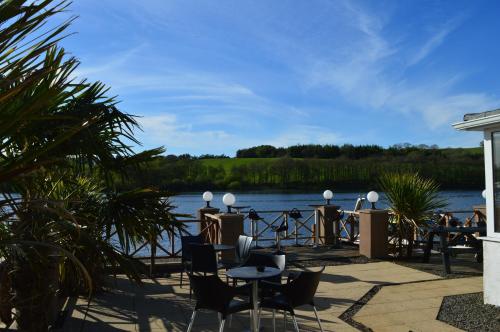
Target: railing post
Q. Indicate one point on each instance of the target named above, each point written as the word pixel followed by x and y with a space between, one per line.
pixel 329 229
pixel 153 254
pixel 316 227
pixel 373 233
pixel 252 228
pixel 285 215
pixel 231 227
pixel 171 235
pixel 296 232
pixel 256 234
pixel 208 233
pixel 352 225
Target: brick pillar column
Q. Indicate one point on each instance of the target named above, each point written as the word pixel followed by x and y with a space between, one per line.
pixel 210 234
pixel 328 224
pixel 373 233
pixel 231 227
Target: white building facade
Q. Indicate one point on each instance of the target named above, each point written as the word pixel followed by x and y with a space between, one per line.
pixel 489 124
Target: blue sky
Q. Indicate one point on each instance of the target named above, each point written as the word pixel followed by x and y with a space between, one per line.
pixel 215 76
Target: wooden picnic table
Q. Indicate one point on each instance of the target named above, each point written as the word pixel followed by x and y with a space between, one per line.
pixel 455 240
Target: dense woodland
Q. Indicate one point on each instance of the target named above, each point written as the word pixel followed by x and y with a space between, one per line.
pixel 314 166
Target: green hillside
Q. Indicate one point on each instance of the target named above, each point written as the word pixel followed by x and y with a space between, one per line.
pixel 228 163
pixel 452 168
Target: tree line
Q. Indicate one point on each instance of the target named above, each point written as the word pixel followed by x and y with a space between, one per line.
pixel 329 151
pixel 451 168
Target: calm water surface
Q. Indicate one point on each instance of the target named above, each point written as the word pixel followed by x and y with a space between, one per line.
pixel 189 203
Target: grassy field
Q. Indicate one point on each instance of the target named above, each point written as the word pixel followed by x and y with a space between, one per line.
pixel 228 163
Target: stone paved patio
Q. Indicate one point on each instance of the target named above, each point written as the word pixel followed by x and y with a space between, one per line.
pixel 161 305
pixel 414 306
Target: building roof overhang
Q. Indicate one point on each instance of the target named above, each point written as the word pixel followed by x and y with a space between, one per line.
pixel 479 121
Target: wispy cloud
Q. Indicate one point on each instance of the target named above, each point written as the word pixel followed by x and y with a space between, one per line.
pixel 202 112
pixel 214 77
pixel 166 130
pixel 109 63
pixel 435 40
pixel 371 75
pixel 305 134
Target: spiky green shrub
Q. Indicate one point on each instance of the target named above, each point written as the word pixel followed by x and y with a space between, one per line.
pixel 412 201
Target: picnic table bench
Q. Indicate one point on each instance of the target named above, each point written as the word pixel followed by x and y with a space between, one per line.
pixel 455 240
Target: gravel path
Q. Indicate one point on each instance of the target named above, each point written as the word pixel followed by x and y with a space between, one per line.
pixel 467 312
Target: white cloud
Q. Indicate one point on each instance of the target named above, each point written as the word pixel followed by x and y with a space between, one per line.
pixel 166 130
pixel 110 63
pixel 439 112
pixel 169 131
pixel 305 134
pixel 435 41
pixel 370 74
pixel 274 76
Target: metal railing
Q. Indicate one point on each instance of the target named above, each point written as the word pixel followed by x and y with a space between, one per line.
pixel 260 229
pixel 301 231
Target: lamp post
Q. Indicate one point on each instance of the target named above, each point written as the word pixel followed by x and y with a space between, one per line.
pixel 327 195
pixel 228 200
pixel 372 197
pixel 207 197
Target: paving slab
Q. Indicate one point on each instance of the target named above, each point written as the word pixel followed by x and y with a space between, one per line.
pixel 413 306
pixel 163 305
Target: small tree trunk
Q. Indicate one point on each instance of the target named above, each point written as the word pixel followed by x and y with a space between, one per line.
pixel 400 237
pixel 409 249
pixel 35 283
pixel 6 305
pixel 411 241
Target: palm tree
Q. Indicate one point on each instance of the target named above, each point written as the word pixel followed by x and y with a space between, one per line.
pixel 412 202
pixel 62 142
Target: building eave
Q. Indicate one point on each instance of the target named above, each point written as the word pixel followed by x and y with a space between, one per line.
pixel 479 124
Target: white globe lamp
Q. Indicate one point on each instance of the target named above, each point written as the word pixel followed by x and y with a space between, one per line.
pixel 484 193
pixel 228 200
pixel 372 197
pixel 207 197
pixel 327 195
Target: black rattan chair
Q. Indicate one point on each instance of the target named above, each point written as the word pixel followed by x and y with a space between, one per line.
pixel 295 293
pixel 264 259
pixel 203 260
pixel 213 294
pixel 186 242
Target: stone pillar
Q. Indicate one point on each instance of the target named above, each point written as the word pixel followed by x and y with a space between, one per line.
pixel 231 227
pixel 373 233
pixel 328 224
pixel 210 234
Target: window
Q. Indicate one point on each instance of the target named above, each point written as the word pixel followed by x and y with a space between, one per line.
pixel 496 179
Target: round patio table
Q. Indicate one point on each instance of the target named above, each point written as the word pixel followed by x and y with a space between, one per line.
pixel 250 273
pixel 223 247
